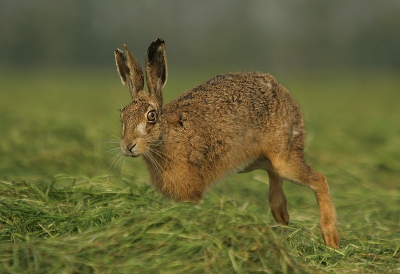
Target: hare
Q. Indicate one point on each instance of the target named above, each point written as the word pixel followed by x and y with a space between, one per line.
pixel 237 122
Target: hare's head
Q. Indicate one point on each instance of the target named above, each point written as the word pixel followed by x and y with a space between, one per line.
pixel 141 123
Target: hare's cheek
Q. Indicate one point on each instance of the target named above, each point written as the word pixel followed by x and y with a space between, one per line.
pixel 123 129
pixel 141 128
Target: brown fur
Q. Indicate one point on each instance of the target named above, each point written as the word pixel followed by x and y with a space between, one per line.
pixel 236 122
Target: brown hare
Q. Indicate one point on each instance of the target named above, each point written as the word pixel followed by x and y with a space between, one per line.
pixel 237 122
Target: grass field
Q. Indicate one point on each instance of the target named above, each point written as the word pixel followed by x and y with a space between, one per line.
pixel 69 204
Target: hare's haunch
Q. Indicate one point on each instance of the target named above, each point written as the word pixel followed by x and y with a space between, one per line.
pixel 236 122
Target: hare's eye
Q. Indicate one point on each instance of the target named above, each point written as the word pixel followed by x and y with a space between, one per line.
pixel 151 116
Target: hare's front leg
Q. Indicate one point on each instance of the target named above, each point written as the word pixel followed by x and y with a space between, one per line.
pixel 182 186
pixel 277 199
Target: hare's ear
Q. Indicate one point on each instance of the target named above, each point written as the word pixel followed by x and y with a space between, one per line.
pixel 156 69
pixel 129 70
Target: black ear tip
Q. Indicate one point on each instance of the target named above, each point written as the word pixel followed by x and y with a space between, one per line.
pixel 158 42
pixel 119 53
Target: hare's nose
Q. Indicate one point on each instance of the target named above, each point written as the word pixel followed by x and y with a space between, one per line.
pixel 132 147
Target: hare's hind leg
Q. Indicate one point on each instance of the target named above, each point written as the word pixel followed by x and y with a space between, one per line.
pixel 297 171
pixel 277 199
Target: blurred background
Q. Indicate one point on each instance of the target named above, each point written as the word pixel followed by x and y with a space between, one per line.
pixel 60 94
pixel 233 34
pixel 60 101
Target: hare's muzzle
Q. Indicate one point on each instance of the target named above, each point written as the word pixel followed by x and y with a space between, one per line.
pixel 129 149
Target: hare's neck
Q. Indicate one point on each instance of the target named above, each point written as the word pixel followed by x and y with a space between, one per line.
pixel 157 163
pixel 157 159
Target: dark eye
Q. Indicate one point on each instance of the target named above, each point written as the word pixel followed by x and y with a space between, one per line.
pixel 151 116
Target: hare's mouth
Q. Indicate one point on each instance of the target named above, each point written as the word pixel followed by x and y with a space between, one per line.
pixel 130 154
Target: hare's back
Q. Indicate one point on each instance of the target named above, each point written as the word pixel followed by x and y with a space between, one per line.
pixel 225 119
pixel 248 97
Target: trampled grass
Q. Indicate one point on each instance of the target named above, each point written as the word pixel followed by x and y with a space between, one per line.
pixel 67 205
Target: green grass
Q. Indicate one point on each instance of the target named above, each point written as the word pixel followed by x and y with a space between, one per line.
pixel 68 206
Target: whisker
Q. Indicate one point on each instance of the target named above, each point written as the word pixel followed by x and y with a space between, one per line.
pixel 101 144
pixel 110 141
pixel 110 151
pixel 160 154
pixel 112 135
pixel 120 104
pixel 114 162
pixel 120 160
pixel 122 170
pixel 123 165
pixel 154 162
